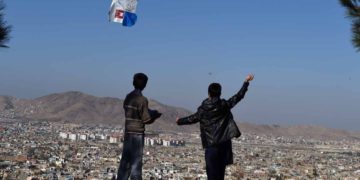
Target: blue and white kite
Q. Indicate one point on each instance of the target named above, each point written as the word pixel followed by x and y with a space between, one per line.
pixel 123 11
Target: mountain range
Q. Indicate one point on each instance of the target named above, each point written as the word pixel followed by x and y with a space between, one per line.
pixel 81 108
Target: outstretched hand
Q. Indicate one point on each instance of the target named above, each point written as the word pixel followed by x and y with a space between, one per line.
pixel 177 119
pixel 249 77
pixel 155 114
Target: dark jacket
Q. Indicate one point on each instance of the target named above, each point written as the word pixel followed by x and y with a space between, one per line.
pixel 217 124
pixel 137 113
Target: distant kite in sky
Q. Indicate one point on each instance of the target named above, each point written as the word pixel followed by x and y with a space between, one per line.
pixel 123 11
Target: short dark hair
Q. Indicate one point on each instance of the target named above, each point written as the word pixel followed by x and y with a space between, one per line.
pixel 140 81
pixel 214 90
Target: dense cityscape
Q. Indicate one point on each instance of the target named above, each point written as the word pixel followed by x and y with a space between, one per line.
pixel 49 150
pixel 122 63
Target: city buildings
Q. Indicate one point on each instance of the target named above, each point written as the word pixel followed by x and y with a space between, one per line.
pixel 45 150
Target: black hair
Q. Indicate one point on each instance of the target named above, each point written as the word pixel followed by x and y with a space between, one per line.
pixel 214 90
pixel 140 80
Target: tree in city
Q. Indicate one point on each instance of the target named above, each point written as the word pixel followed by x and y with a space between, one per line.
pixel 4 28
pixel 353 12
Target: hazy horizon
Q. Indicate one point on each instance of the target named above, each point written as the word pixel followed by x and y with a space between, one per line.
pixel 306 70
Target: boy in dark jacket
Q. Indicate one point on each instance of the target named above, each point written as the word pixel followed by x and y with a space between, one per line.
pixel 217 127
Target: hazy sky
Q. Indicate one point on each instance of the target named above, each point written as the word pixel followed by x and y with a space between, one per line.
pixel 306 70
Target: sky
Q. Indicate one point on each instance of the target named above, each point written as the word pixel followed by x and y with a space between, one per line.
pixel 306 70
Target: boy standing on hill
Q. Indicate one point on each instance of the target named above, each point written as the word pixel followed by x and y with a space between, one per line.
pixel 217 128
pixel 137 114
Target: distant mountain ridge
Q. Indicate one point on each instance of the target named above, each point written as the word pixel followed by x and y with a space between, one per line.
pixel 300 131
pixel 78 107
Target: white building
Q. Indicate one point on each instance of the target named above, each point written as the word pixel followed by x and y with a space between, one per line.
pixel 72 137
pixel 166 143
pixel 63 135
pixel 149 142
pixel 100 137
pixel 92 136
pixel 83 137
pixel 113 140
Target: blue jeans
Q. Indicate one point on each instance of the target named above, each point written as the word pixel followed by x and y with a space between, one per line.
pixel 131 159
pixel 217 157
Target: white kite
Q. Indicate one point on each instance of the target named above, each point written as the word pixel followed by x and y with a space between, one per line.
pixel 123 11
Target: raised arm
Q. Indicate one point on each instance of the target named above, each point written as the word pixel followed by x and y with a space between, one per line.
pixel 241 94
